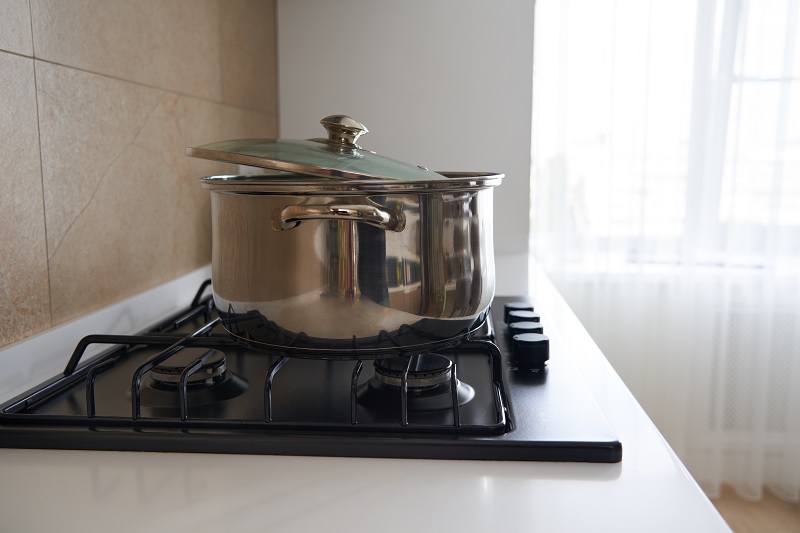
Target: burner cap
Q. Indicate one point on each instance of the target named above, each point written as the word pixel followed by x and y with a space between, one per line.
pixel 426 370
pixel 212 369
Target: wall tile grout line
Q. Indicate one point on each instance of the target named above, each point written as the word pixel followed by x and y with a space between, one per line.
pixel 41 170
pixel 126 80
pixel 140 84
pixel 26 56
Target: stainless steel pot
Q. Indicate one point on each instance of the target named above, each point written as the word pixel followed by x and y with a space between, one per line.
pixel 325 266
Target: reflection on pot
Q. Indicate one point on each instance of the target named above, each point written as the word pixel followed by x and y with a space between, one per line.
pixel 353 273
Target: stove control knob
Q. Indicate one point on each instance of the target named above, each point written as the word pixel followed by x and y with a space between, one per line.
pixel 515 306
pixel 515 328
pixel 523 316
pixel 531 350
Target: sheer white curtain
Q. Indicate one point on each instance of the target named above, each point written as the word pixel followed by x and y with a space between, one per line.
pixel 666 182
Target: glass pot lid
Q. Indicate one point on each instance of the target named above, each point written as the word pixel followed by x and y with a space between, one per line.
pixel 338 156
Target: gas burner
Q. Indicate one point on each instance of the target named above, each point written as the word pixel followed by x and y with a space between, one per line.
pixel 207 388
pixel 429 384
pixel 211 371
pixel 425 371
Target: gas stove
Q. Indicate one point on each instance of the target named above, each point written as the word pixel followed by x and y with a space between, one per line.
pixel 184 385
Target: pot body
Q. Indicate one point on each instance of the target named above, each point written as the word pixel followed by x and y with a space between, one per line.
pixel 352 273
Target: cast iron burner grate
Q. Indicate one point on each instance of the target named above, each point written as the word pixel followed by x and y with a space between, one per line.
pixel 165 366
pixel 186 386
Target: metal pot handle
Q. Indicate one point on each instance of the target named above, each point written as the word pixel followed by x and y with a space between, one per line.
pixel 374 215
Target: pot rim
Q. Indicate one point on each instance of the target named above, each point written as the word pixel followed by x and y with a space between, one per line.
pixel 304 184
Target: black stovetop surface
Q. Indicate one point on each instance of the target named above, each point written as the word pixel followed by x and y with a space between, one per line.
pixel 308 406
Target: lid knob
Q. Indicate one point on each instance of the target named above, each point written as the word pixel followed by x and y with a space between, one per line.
pixel 343 130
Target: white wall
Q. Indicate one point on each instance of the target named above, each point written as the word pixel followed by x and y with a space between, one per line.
pixel 441 83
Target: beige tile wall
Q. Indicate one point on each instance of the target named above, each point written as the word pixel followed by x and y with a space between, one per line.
pixel 98 100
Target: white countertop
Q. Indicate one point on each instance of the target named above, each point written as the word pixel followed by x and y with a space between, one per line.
pixel 650 490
